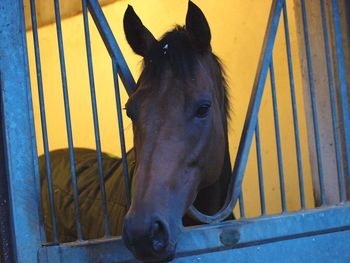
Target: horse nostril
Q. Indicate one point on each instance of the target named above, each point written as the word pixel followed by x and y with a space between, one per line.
pixel 159 235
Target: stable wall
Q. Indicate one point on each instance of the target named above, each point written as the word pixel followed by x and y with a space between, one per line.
pixel 237 28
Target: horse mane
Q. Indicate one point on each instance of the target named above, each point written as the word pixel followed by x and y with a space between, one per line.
pixel 176 52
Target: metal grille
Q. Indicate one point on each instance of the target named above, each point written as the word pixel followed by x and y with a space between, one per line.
pixel 229 234
pixel 251 128
pixel 119 67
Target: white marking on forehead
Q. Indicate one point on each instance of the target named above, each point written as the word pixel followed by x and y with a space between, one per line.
pixel 165 48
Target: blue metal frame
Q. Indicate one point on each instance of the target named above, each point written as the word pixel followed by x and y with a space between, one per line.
pixel 238 239
pixel 21 154
pixel 6 242
pixel 206 242
pixel 343 86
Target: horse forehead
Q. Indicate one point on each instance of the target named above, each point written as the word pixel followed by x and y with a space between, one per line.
pixel 181 88
pixel 171 93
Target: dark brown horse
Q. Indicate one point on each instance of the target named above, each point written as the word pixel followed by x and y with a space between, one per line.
pixel 179 114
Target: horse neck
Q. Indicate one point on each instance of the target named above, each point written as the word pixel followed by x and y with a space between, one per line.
pixel 211 198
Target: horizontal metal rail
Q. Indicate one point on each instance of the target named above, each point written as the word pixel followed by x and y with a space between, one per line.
pixel 228 236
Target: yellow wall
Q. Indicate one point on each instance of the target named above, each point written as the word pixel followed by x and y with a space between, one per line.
pixel 237 29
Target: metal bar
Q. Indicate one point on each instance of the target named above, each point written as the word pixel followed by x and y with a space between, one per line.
pixel 342 196
pixel 230 236
pixel 18 131
pixel 112 45
pixel 250 121
pixel 43 121
pixel 278 137
pixel 255 101
pixel 313 104
pixel 121 133
pixel 241 206
pixel 260 170
pixel 294 108
pixel 347 15
pixel 6 242
pixel 343 87
pixel 95 119
pixel 68 120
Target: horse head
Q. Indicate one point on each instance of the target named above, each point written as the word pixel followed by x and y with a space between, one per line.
pixel 179 117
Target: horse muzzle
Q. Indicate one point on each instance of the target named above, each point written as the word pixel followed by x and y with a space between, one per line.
pixel 149 238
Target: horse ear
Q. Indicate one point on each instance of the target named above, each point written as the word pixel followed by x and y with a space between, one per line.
pixel 138 36
pixel 198 27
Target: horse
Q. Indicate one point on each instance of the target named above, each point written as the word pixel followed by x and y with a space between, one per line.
pixel 179 112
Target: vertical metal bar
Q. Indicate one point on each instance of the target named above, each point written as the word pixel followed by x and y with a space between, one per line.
pixel 111 45
pixel 254 104
pixel 18 131
pixel 332 101
pixel 241 205
pixel 294 108
pixel 95 118
pixel 121 132
pixel 43 121
pixel 6 242
pixel 68 120
pixel 260 170
pixel 343 87
pixel 278 137
pixel 347 15
pixel 313 103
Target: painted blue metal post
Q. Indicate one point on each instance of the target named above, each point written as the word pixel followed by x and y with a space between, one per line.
pixel 6 247
pixel 19 135
pixel 343 87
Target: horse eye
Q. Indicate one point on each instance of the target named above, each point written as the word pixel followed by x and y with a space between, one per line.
pixel 203 110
